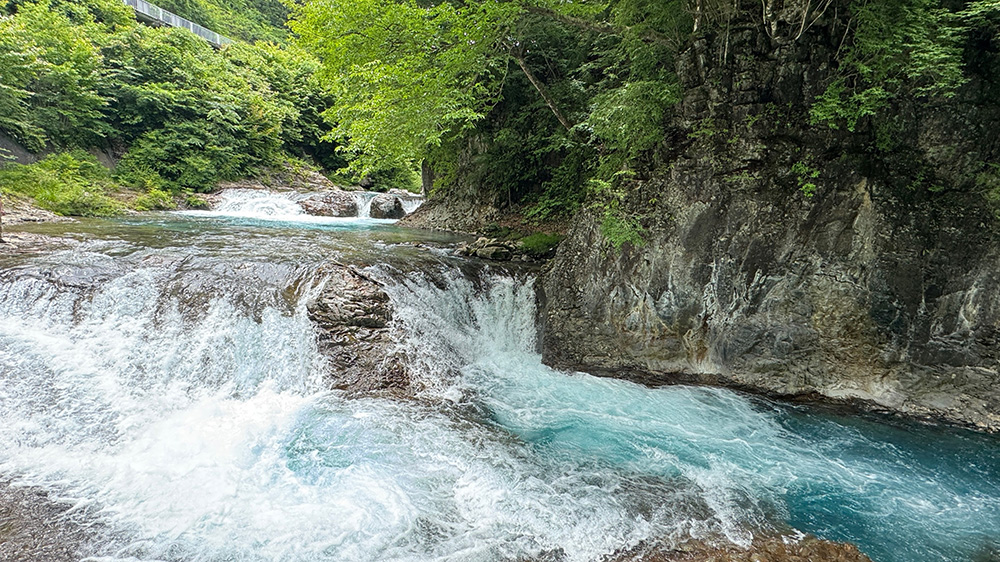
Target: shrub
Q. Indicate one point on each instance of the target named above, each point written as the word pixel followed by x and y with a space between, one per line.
pixel 69 183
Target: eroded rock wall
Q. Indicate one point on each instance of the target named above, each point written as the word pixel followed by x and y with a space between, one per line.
pixel 870 290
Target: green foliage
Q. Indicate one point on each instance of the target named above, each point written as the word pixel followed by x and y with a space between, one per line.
pixel 912 46
pixel 706 129
pixel 563 193
pixel 154 200
pixel 49 89
pixel 631 118
pixel 403 73
pixel 196 201
pixel 249 20
pixel 620 229
pixel 86 74
pixel 540 244
pixel 806 175
pixel 70 183
pixel 410 78
pixel 617 226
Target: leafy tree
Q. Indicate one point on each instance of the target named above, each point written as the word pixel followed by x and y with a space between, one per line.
pixel 536 83
pixel 404 74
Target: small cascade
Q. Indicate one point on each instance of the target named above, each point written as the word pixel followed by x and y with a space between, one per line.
pixel 364 199
pixel 259 204
pixel 411 204
pixel 267 205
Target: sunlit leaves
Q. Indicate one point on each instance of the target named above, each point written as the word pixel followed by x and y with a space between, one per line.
pixel 403 73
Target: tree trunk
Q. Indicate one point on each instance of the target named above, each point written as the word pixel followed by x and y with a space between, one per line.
pixel 426 177
pixel 542 90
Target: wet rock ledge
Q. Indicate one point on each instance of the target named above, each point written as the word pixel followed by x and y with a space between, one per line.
pixel 34 527
pixel 771 549
pixel 352 316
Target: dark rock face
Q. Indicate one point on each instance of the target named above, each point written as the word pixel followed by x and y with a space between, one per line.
pixel 386 206
pixel 330 204
pixel 869 291
pixel 352 315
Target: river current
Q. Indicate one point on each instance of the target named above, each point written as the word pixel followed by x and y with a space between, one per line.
pixel 160 375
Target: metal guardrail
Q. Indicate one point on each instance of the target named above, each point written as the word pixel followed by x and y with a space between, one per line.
pixel 156 14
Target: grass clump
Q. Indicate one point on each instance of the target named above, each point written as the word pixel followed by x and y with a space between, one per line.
pixel 540 244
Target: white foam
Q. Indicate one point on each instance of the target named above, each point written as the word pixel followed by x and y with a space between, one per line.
pixel 200 429
pixel 262 205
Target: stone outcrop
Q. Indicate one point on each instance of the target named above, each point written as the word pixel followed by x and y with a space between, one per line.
pixel 386 206
pixel 21 210
pixel 871 291
pixel 352 315
pixel 453 214
pixel 330 204
pixel 488 249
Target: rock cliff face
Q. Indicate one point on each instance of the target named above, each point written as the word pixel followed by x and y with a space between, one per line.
pixel 870 290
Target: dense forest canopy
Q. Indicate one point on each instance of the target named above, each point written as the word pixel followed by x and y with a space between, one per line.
pixel 542 104
pixel 180 115
pixel 549 102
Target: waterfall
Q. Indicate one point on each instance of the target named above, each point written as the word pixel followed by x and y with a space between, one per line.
pixel 364 199
pixel 169 388
pixel 411 204
pixel 265 205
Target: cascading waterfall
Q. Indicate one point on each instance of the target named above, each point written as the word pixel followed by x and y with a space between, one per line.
pixel 723 464
pixel 411 204
pixel 364 200
pixel 173 395
pixel 283 206
pixel 252 203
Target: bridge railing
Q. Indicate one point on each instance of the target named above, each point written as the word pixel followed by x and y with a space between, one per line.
pixel 157 14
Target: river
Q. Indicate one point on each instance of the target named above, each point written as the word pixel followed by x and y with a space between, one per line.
pixel 160 375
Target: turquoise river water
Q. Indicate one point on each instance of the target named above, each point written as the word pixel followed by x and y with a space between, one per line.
pixel 160 375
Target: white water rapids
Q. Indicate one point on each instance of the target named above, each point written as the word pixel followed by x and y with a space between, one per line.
pixel 173 394
pixel 283 206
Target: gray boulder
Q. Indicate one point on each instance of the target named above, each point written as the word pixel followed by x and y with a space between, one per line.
pixel 387 206
pixel 352 317
pixel 330 204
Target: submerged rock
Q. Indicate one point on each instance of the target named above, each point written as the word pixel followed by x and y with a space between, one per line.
pixel 34 527
pixel 774 549
pixel 330 204
pixel 387 206
pixel 352 315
